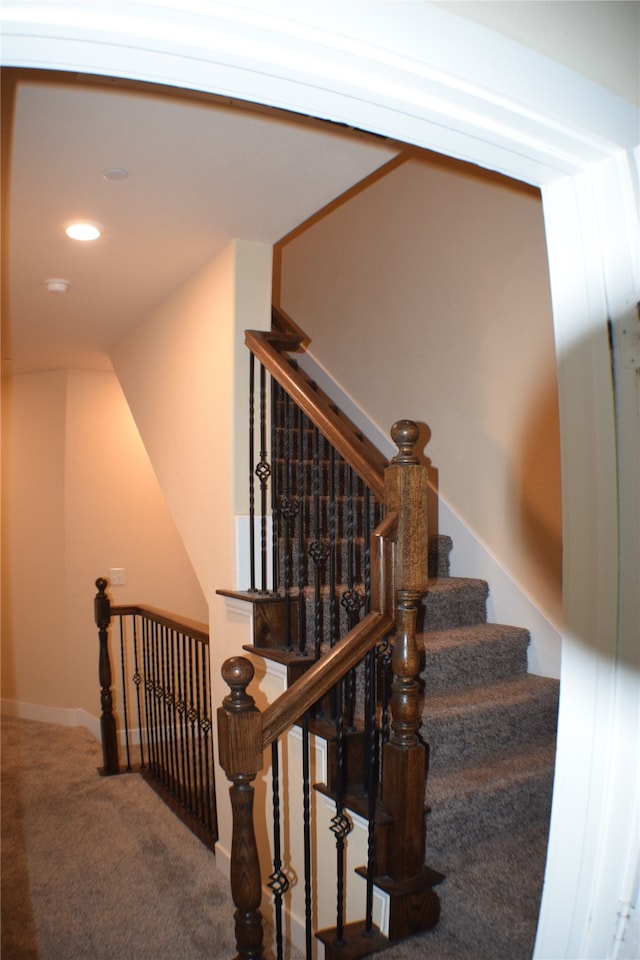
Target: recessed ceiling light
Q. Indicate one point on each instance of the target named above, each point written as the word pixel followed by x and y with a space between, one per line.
pixel 84 230
pixel 57 285
pixel 115 173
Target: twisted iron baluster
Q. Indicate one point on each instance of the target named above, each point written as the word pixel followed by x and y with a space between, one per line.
pixel 371 784
pixel 206 727
pixel 278 882
pixel 276 454
pixel 302 619
pixel 137 679
pixel 318 549
pixel 341 825
pixel 123 671
pixel 306 809
pixel 263 470
pixel 288 512
pixel 252 504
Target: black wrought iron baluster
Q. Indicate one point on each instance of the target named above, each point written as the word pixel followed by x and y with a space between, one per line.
pixel 278 881
pixel 301 499
pixel 351 599
pixel 125 709
pixel 252 503
pixel 306 815
pixel 341 825
pixel 165 698
pixel 276 459
pixel 192 715
pixel 155 686
pixel 206 733
pixel 333 617
pixel 371 781
pixel 288 512
pixel 181 707
pixel 318 548
pixel 146 681
pixel 171 704
pixel 200 800
pixel 137 679
pixel 263 471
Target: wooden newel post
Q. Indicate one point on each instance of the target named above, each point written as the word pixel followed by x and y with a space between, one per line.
pixel 405 768
pixel 240 748
pixel 102 609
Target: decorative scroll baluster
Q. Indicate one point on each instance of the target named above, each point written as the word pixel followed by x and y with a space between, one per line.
pixel 125 700
pixel 288 512
pixel 240 747
pixel 252 496
pixel 302 619
pixel 263 471
pixel 276 457
pixel 371 781
pixel 278 881
pixel 318 548
pixel 102 610
pixel 306 815
pixel 137 679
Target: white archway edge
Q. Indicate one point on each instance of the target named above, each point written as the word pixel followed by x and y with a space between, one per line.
pixel 410 71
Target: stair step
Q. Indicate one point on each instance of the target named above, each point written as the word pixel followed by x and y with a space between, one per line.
pixel 496 721
pixel 470 805
pixel 472 656
pixel 454 602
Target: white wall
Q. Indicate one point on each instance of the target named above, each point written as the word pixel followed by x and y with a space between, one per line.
pixel 78 496
pixel 426 295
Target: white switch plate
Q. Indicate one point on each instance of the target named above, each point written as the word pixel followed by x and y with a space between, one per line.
pixel 116 576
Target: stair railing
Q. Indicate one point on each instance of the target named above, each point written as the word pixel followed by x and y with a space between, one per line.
pixel 164 701
pixel 397 579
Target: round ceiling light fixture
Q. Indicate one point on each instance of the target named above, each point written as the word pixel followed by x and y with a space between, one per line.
pixel 57 285
pixel 84 230
pixel 115 173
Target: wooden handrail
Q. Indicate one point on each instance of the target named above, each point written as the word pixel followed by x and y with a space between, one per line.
pixel 351 444
pixel 291 705
pixel 191 628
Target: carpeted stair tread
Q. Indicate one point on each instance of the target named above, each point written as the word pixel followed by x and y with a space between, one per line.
pixel 497 719
pixel 474 803
pixel 454 602
pixel 472 655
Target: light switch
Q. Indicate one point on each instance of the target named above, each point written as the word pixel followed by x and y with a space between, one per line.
pixel 116 576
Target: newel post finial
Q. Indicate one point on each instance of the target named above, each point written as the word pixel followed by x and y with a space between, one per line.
pixel 405 434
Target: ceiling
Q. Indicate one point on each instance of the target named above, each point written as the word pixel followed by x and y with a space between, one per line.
pixel 200 171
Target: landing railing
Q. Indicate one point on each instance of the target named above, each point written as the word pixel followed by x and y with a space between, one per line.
pixel 339 564
pixel 163 693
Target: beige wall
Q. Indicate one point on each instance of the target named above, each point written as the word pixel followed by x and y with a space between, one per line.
pixel 427 296
pixel 185 373
pixel 79 496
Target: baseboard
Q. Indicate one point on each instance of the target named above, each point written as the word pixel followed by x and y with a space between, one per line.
pixel 61 716
pixel 508 602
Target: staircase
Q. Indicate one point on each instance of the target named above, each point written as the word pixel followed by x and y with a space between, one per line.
pixel 491 730
pixel 489 725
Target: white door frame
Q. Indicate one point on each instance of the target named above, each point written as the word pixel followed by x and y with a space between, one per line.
pixel 417 73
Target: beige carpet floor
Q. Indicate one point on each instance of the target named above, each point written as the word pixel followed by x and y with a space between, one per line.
pixel 97 868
